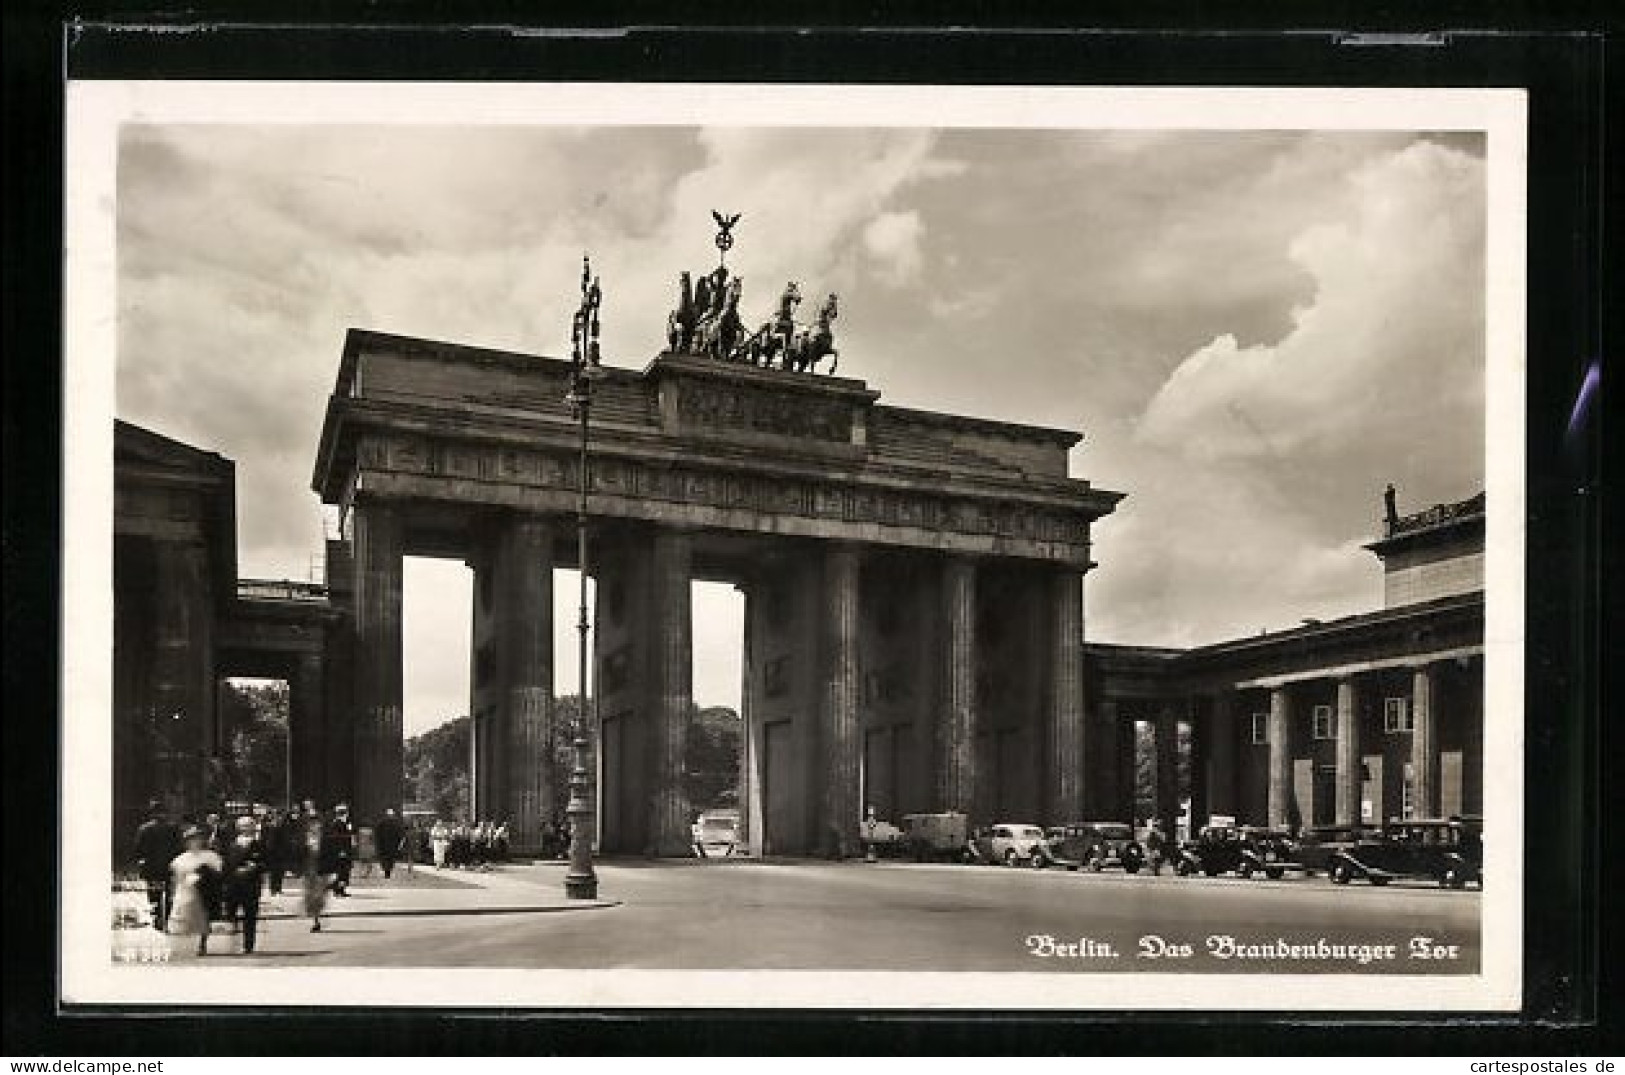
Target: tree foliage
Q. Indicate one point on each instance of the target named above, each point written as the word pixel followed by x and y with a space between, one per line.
pixel 715 737
pixel 437 768
pixel 254 756
pixel 1145 766
pixel 437 760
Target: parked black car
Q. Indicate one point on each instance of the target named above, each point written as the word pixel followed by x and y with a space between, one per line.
pixel 1449 851
pixel 1317 846
pixel 1243 851
pixel 1095 845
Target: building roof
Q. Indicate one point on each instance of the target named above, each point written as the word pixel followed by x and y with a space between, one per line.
pixel 1440 523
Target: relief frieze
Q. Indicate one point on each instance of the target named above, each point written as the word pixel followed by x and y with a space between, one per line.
pixel 615 476
pixel 742 408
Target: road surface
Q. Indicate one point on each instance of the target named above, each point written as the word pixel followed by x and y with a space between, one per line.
pixel 900 916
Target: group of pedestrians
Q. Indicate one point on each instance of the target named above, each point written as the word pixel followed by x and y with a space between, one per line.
pixel 459 845
pixel 196 873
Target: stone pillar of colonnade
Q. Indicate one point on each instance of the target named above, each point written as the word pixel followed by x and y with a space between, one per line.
pixel 1348 752
pixel 671 690
pixel 183 689
pixel 1167 748
pixel 1424 744
pixel 1068 754
pixel 1219 751
pixel 956 728
pixel 521 763
pixel 307 743
pixel 378 746
pixel 839 727
pixel 1280 758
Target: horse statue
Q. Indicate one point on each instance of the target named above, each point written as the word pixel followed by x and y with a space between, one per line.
pixel 680 324
pixel 813 345
pixel 775 336
pixel 721 335
pixel 710 298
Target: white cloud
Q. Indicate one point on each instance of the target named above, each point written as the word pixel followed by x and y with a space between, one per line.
pixel 1390 343
pixel 893 240
pixel 1255 330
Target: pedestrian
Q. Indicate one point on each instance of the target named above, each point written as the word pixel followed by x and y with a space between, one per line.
pixel 216 834
pixel 157 842
pixel 439 842
pixel 412 846
pixel 499 842
pixel 1156 847
pixel 317 871
pixel 457 853
pixel 366 850
pixel 338 839
pixel 388 835
pixel 696 838
pixel 566 829
pixel 244 861
pixel 195 874
pixel 280 835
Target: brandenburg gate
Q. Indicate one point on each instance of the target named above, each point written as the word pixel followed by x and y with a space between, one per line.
pixel 913 581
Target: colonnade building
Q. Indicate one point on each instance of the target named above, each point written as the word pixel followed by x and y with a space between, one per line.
pixel 913 628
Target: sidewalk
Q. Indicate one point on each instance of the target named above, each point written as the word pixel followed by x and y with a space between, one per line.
pixel 511 888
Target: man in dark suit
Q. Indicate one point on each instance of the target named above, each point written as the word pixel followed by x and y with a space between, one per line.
pixel 157 842
pixel 338 848
pixel 278 835
pixel 389 834
pixel 244 856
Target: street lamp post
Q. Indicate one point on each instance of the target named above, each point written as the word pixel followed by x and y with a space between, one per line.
pixel 581 881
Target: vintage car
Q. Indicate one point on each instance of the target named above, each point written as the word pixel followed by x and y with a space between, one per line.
pixel 1449 851
pixel 1095 845
pixel 716 834
pixel 1318 845
pixel 1009 844
pixel 1244 851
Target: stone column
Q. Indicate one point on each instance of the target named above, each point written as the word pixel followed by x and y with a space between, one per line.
pixel 839 725
pixel 671 621
pixel 306 741
pixel 1168 771
pixel 750 784
pixel 1065 726
pixel 1201 795
pixel 524 630
pixel 1280 763
pixel 1424 744
pixel 956 728
pixel 378 744
pixel 1126 755
pixel 183 689
pixel 1220 742
pixel 1348 753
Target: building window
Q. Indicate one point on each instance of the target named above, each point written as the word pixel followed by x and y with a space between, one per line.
pixel 1261 728
pixel 1396 716
pixel 1325 725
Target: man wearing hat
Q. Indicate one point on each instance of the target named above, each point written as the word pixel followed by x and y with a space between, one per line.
pixel 157 842
pixel 244 857
pixel 338 848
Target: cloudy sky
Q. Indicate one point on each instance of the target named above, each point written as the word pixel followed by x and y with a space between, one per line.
pixel 1254 330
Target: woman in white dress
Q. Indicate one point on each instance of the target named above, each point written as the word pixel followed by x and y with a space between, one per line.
pixel 439 840
pixel 197 874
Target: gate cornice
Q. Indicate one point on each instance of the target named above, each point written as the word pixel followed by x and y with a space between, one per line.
pixel 699 443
